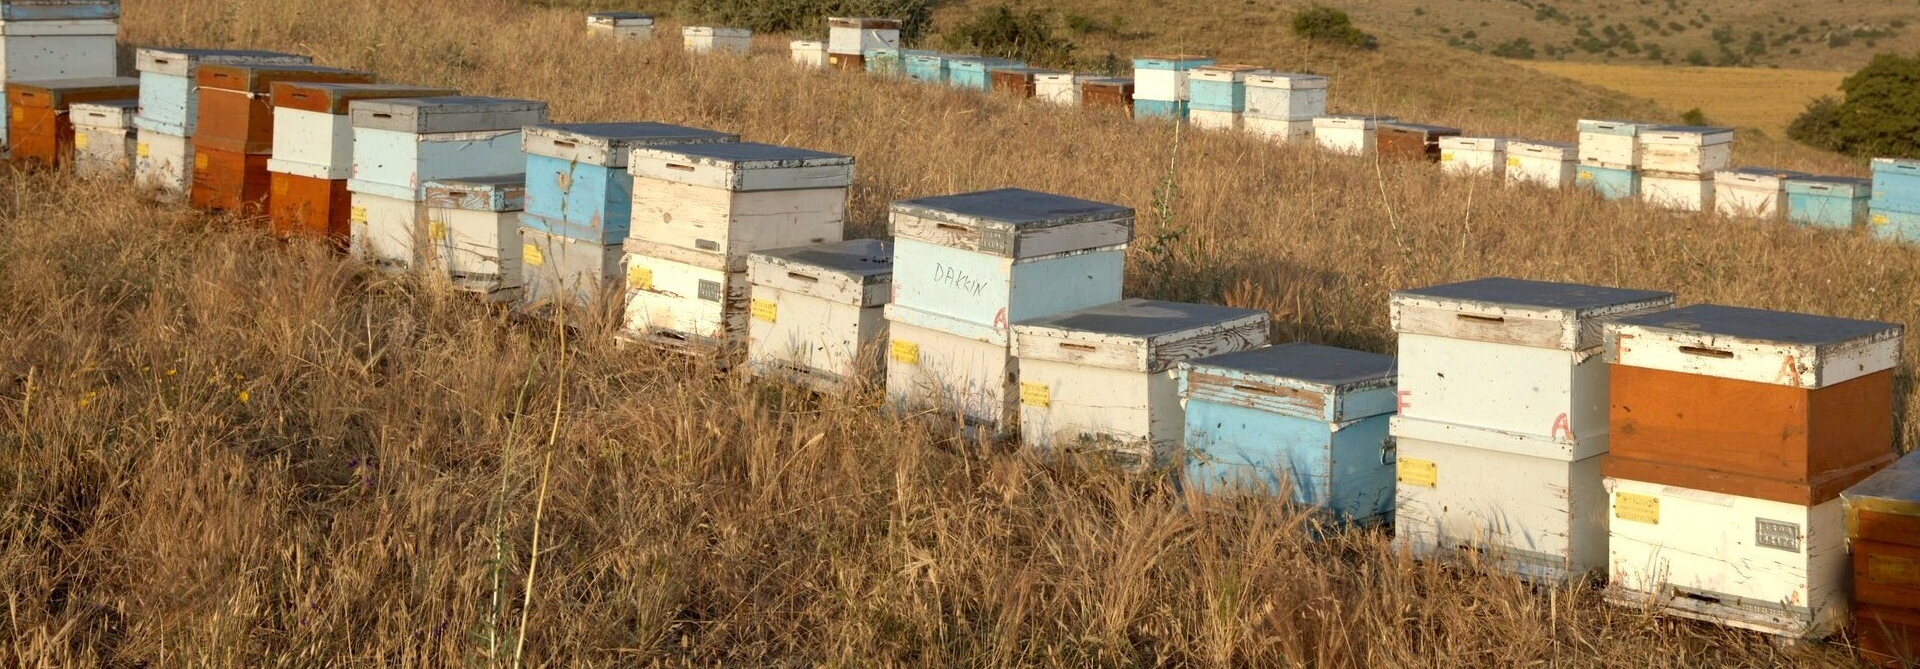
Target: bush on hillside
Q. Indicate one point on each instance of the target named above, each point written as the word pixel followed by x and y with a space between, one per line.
pixel 1880 115
pixel 1520 48
pixel 1331 26
pixel 1021 34
pixel 807 16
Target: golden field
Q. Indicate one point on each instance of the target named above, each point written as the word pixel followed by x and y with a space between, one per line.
pixel 1741 97
pixel 225 451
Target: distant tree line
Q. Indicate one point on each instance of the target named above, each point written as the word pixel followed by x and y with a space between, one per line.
pixel 1879 114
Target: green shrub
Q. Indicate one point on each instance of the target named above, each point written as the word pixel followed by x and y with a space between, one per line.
pixel 1021 34
pixel 1519 47
pixel 1880 115
pixel 807 16
pixel 1331 26
pixel 1694 117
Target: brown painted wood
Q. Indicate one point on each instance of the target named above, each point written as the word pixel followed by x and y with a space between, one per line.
pixel 236 102
pixel 305 206
pixel 1887 527
pixel 847 61
pixel 1020 83
pixel 1886 574
pixel 334 98
pixel 232 182
pixel 38 129
pixel 1411 142
pixel 1747 438
pixel 1107 94
pixel 1887 635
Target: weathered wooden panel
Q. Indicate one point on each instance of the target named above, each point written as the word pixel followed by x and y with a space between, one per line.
pixel 849 62
pixel 1411 141
pixel 685 302
pixel 857 272
pixel 169 95
pixel 399 164
pixel 103 137
pixel 1164 78
pixel 56 49
pixel 1286 97
pixel 810 54
pixel 386 232
pixel 1139 335
pixel 307 206
pixel 1612 183
pixel 1107 93
pixel 1352 135
pixel 856 36
pixel 1775 347
pixel 1321 383
pixel 39 126
pixel 1676 191
pixel 1886 506
pixel 702 39
pixel 163 163
pixel 59 10
pixel 927 68
pixel 1751 192
pixel 1203 119
pixel 476 251
pixel 1131 417
pixel 994 291
pixel 1220 88
pixel 621 25
pixel 312 144
pixel 569 280
pixel 1549 164
pixel 1547 314
pixel 1888 636
pixel 1020 82
pixel 232 182
pixel 1013 222
pixel 718 228
pixel 971 72
pixel 1612 144
pixel 1828 202
pixel 928 369
pixel 816 314
pixel 236 102
pixel 500 192
pixel 1060 88
pixel 1474 155
pixel 1685 150
pixel 1896 185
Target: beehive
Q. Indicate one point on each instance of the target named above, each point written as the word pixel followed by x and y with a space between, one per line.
pixel 1020 82
pixel 1111 93
pixel 570 280
pixel 169 88
pixel 1160 84
pixel 889 63
pixel 1752 192
pixel 39 124
pixel 400 144
pixel 1303 420
pixel 473 232
pixel 1348 134
pixel 847 61
pixel 1411 141
pixel 1894 211
pixel 1828 202
pixel 1785 407
pixel 1897 226
pixel 1219 94
pixel 1549 164
pixel 1060 88
pixel 808 53
pixel 1474 155
pixel 309 206
pixel 701 39
pixel 1281 96
pixel 103 136
pixel 710 205
pixel 236 102
pixel 1614 144
pixel 577 184
pixel 1613 183
pixel 856 36
pixel 313 129
pixel 971 72
pixel 1102 379
pixel 624 25
pixel 926 68
pixel 230 182
pixel 162 163
pixel 1277 130
pixel 1503 414
pixel 67 39
pixel 1883 531
pixel 1676 191
pixel 386 232
pixel 678 305
pixel 1685 149
pixel 817 313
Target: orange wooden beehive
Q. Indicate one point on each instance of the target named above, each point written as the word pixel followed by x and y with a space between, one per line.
pixel 1770 405
pixel 236 107
pixel 1412 141
pixel 326 97
pixel 1883 528
pixel 1116 92
pixel 309 206
pixel 229 181
pixel 37 122
pixel 847 61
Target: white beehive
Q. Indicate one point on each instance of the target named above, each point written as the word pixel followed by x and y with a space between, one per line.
pixel 856 36
pixel 1685 149
pixel 624 25
pixel 678 305
pixel 1676 191
pixel 1613 144
pixel 400 144
pixel 1209 119
pixel 1750 563
pixel 72 39
pixel 1751 192
pixel 1474 155
pixel 387 232
pixel 811 54
pixel 1279 131
pixel 817 313
pixel 1549 164
pixel 473 232
pixel 163 163
pixel 1281 96
pixel 966 377
pixel 103 137
pixel 701 39
pixel 571 280
pixel 1164 78
pixel 1348 134
pixel 1102 379
pixel 1060 88
pixel 710 205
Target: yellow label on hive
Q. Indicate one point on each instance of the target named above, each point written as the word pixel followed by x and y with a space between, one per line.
pixel 80 140
pixel 904 352
pixel 279 186
pixel 1637 508
pixel 1879 219
pixel 1036 395
pixel 437 231
pixel 765 310
pixel 530 254
pixel 1893 570
pixel 1584 176
pixel 1423 473
pixel 140 149
pixel 357 214
pixel 1513 162
pixel 1446 156
pixel 639 278
pixel 199 161
pixel 19 114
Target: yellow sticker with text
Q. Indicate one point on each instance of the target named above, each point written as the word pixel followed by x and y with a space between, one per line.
pixel 279 186
pixel 1036 395
pixel 80 140
pixel 1879 219
pixel 1513 162
pixel 1637 508
pixel 1446 156
pixel 437 231
pixel 639 278
pixel 199 161
pixel 19 114
pixel 141 149
pixel 1584 176
pixel 903 351
pixel 530 254
pixel 1423 473
pixel 766 310
pixel 357 214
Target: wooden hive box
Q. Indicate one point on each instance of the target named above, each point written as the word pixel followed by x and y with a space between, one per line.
pixel 39 125
pixel 1898 226
pixel 169 89
pixel 1164 78
pixel 1613 144
pixel 313 124
pixel 1110 93
pixel 1752 192
pixel 856 36
pixel 103 136
pixel 1883 530
pixel 1302 420
pixel 1219 95
pixel 1896 185
pixel 677 305
pixel 387 232
pixel 231 182
pixel 49 40
pixel 623 25
pixel 162 163
pixel 236 102
pixel 926 68
pixel 1060 88
pixel 400 144
pixel 816 315
pixel 577 183
pixel 971 72
pixel 1348 134
pixel 1282 96
pixel 811 54
pixel 1277 130
pixel 1020 82
pixel 889 63
pixel 1785 407
pixel 710 205
pixel 569 280
pixel 1474 155
pixel 1412 141
pixel 1675 191
pixel 1541 163
pixel 701 39
pixel 1612 183
pixel 473 233
pixel 1685 149
pixel 1103 380
pixel 307 206
pixel 847 61
pixel 1828 202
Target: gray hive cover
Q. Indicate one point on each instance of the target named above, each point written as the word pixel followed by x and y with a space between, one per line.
pixel 1011 209
pixel 1333 367
pixel 750 153
pixel 1783 327
pixel 636 134
pixel 58 10
pixel 116 104
pixel 1898 483
pixel 1505 292
pixel 618 16
pixel 1109 81
pixel 447 113
pixel 1137 317
pixel 861 258
pixel 1422 127
pixel 1765 172
pixel 1841 181
pixel 492 181
pixel 987 62
pixel 1692 129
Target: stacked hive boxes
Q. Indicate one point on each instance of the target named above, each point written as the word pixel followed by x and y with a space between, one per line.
pixel 889 63
pixel 699 212
pixel 1752 192
pixel 1883 531
pixel 1412 141
pixel 234 136
pixel 39 123
pixel 817 313
pixel 1828 202
pixel 170 110
pixel 1503 419
pixel 1020 82
pixel 1549 164
pixel 1281 107
pixel 473 234
pixel 972 72
pixel 1474 155
pixel 1677 165
pixel 1110 92
pixel 811 54
pixel 57 39
pixel 400 144
pixel 103 136
pixel 580 200
pixel 1160 85
pixel 1060 88
pixel 1299 419
pixel 313 153
pixel 1218 95
pixel 701 39
pixel 1610 158
pixel 1102 379
pixel 849 40
pixel 623 25
pixel 1735 430
pixel 969 265
pixel 1348 134
pixel 926 68
pixel 1895 208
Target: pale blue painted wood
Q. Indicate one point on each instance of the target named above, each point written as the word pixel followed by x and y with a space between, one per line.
pixel 927 68
pixel 1346 470
pixel 578 200
pixel 71 10
pixel 167 104
pixel 1828 202
pixel 1176 110
pixel 971 72
pixel 1224 96
pixel 981 288
pixel 1178 64
pixel 396 164
pixel 1611 183
pixel 1896 185
pixel 1895 225
pixel 890 62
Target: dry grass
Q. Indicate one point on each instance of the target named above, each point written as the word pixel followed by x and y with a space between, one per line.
pixel 1727 95
pixel 222 451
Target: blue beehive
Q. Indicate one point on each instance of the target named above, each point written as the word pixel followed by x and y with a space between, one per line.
pixel 1302 417
pixel 1221 88
pixel 926 68
pixel 1612 183
pixel 169 100
pixel 1176 110
pixel 1895 225
pixel 971 71
pixel 1896 185
pixel 577 181
pixel 1828 202
pixel 400 144
pixel 890 62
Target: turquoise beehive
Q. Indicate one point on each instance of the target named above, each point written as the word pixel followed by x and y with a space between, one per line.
pixel 577 181
pixel 1896 185
pixel 1828 202
pixel 971 71
pixel 1612 183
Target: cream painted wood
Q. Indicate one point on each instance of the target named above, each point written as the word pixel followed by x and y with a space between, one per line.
pixel 623 25
pixel 1279 131
pixel 718 229
pixel 1347 135
pixel 163 163
pixel 1752 193
pixel 387 232
pixel 1480 311
pixel 103 137
pixel 312 144
pixel 1543 519
pixel 1135 417
pixel 1676 192
pixel 1286 97
pixel 1139 335
pixel 1214 120
pixel 1809 352
pixel 1610 150
pixel 857 272
pixel 1684 158
pixel 993 291
pixel 1060 88
pixel 856 36
pixel 928 369
pixel 825 343
pixel 1474 155
pixel 1026 244
pixel 1748 563
pixel 1556 395
pixel 1549 164
pixel 696 304
pixel 701 39
pixel 811 54
pixel 782 169
pixel 478 251
pixel 1156 84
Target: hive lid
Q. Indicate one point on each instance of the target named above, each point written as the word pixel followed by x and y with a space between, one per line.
pixel 1612 127
pixel 1286 80
pixel 806 45
pixel 1473 143
pixel 1025 71
pixel 1896 165
pixel 1851 186
pixel 1012 222
pixel 863 23
pixel 335 98
pixel 1518 311
pixel 983 62
pixel 926 56
pixel 742 166
pixel 453 113
pixel 619 18
pixel 58 10
pixel 59 93
pixel 1420 128
pixel 1140 335
pixel 713 31
pixel 181 62
pixel 1893 491
pixel 1540 145
pixel 1226 72
pixel 1686 134
pixel 1109 82
pixel 260 77
pixel 104 113
pixel 1765 172
pixel 1774 347
pixel 856 271
pixel 1171 62
pixel 610 144
pixel 1326 370
pixel 499 192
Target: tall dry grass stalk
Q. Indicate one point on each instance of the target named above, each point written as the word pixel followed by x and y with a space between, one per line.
pixel 220 450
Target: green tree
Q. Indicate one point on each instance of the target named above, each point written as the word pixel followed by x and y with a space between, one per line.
pixel 1879 116
pixel 1021 34
pixel 1332 26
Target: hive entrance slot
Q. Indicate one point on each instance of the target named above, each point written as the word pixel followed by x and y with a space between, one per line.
pixel 564 144
pixel 382 115
pixel 678 166
pixel 1698 597
pixel 949 227
pixel 1252 389
pixel 802 277
pixel 1706 352
pixel 1483 320
pixel 1083 348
